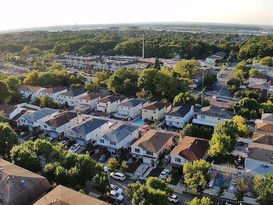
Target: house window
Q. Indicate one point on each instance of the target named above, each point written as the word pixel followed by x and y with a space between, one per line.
pixel 45 126
pixel 178 160
pixel 219 118
pixel 154 112
pixel 137 150
pixel 149 153
pixel 145 110
pixel 102 141
pixel 202 117
pixel 53 128
pixel 113 143
pixel 169 117
pixel 128 108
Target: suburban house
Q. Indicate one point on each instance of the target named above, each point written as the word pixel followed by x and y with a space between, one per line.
pixel 257 79
pixel 53 92
pixel 151 145
pixel 189 150
pixel 179 115
pixel 20 186
pixel 90 99
pixel 197 79
pixel 217 56
pixel 212 115
pixel 70 97
pixel 30 92
pixel 109 104
pixel 10 111
pixel 131 108
pixel 57 125
pixel 89 131
pixel 156 110
pixel 65 196
pixel 120 136
pixel 34 120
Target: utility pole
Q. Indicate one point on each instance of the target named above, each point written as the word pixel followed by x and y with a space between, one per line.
pixel 203 89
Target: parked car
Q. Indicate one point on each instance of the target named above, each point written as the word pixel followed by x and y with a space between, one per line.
pixel 22 134
pixel 115 195
pixel 104 157
pixel 33 138
pixel 118 176
pixel 74 148
pixel 173 198
pixel 164 174
pixel 64 142
pixel 116 189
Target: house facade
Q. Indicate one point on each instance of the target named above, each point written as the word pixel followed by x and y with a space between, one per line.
pixel 151 145
pixel 155 111
pixel 212 115
pixel 30 92
pixel 53 92
pixel 179 115
pixel 88 131
pixel 90 99
pixel 119 137
pixel 71 97
pixel 109 104
pixel 257 79
pixel 131 108
pixel 189 150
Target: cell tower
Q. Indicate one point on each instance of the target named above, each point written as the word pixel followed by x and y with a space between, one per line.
pixel 143 46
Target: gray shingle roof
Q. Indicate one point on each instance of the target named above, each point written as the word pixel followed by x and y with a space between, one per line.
pixel 133 102
pixel 111 99
pixel 89 126
pixel 216 111
pixel 180 111
pixel 61 119
pixel 73 93
pixel 120 133
pixel 33 117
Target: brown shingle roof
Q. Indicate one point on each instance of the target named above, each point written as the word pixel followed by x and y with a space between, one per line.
pixel 216 111
pixel 263 138
pixel 61 119
pixel 54 90
pixel 260 152
pixel 62 195
pixel 191 148
pixel 111 99
pixel 32 89
pixel 261 76
pixel 20 186
pixel 92 96
pixel 153 140
pixel 156 105
pixel 265 126
pixel 7 109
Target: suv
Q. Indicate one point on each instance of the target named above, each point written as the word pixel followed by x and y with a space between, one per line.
pixel 173 198
pixel 116 196
pixel 164 174
pixel 74 148
pixel 116 189
pixel 118 176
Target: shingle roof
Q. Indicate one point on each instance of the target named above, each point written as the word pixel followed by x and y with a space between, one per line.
pixel 64 196
pixel 216 111
pixel 191 148
pixel 54 90
pixel 20 186
pixel 7 109
pixel 260 152
pixel 153 140
pixel 265 126
pixel 261 76
pixel 92 96
pixel 73 92
pixel 89 126
pixel 119 134
pixel 180 111
pixel 267 117
pixel 111 99
pixel 156 105
pixel 61 119
pixel 133 102
pixel 33 117
pixel 263 138
pixel 33 89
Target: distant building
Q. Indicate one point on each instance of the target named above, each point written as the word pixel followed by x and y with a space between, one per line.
pixel 217 56
pixel 156 110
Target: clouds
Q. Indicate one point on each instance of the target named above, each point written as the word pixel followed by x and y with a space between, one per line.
pixel 33 13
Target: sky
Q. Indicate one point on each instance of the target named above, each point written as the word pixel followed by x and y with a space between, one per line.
pixel 40 13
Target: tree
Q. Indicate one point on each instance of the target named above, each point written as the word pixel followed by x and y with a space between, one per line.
pixel 102 183
pixel 61 48
pixel 5 92
pixel 242 189
pixel 113 164
pixel 242 126
pixel 184 98
pixel 8 138
pixel 124 165
pixel 101 78
pixel 187 68
pixel 86 50
pixel 197 131
pixel 46 101
pixel 157 64
pixel 156 183
pixel 267 107
pixel 203 201
pixel 267 61
pixel 247 108
pixel 38 66
pixel 209 79
pixel 196 175
pixel 90 87
pixel 263 185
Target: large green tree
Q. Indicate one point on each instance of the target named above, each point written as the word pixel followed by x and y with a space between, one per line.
pixel 203 201
pixel 196 175
pixel 263 185
pixel 5 92
pixel 8 138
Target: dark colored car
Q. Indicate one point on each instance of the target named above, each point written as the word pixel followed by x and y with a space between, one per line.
pixel 104 157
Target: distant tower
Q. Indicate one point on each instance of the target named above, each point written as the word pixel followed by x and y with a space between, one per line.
pixel 143 47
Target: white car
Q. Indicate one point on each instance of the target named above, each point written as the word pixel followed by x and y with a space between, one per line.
pixel 115 195
pixel 74 148
pixel 173 198
pixel 116 189
pixel 164 174
pixel 118 176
